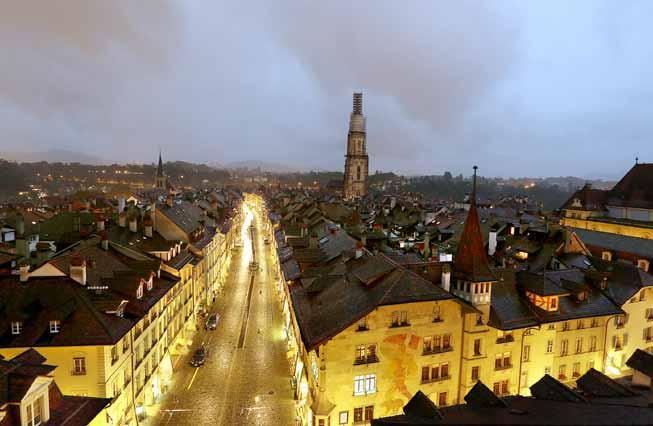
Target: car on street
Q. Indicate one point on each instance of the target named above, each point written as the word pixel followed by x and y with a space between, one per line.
pixel 199 357
pixel 212 322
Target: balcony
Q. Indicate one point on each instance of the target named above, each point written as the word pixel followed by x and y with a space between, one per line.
pixel 436 379
pixel 437 350
pixel 366 360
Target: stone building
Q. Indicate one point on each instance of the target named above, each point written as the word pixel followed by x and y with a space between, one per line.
pixel 357 161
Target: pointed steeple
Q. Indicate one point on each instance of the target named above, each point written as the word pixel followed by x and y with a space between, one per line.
pixel 159 169
pixel 470 263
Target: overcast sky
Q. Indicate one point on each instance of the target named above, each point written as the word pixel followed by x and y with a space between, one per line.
pixel 522 88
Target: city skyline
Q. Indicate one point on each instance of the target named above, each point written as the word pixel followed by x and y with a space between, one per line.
pixel 512 91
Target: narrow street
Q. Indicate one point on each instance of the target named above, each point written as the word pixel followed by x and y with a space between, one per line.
pixel 245 379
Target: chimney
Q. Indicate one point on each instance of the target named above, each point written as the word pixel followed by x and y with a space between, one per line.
pixel 427 245
pixel 147 225
pixel 169 201
pixel 133 225
pixel 446 277
pixel 313 242
pixel 122 219
pixel 105 241
pixel 121 204
pixel 359 250
pixel 492 242
pixel 20 224
pixel 78 269
pixel 24 273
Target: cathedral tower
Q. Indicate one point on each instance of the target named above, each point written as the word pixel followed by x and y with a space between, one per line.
pixel 357 162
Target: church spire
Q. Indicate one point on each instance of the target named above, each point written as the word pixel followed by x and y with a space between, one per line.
pixel 470 263
pixel 159 169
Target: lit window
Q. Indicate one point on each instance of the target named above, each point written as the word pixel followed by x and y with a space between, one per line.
pixel 79 366
pixel 55 326
pixel 34 412
pixel 364 385
pixel 16 327
pixel 139 292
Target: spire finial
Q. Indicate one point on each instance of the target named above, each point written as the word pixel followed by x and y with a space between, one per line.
pixel 474 186
pixel 636 160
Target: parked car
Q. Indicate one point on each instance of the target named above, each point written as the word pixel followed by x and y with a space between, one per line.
pixel 212 322
pixel 199 357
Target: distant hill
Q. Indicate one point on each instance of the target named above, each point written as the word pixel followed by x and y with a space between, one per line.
pixel 51 156
pixel 264 166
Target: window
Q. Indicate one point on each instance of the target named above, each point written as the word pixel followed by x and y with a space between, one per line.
pixel 476 372
pixel 501 388
pixel 502 361
pixel 442 399
pixel 79 366
pixel 564 347
pixel 139 291
pixel 606 255
pixel 648 314
pixel 620 321
pixel 580 325
pixel 547 370
pixel 358 172
pixel 125 345
pixel 643 264
pixel 562 372
pixel 114 353
pixel 366 354
pixel 150 283
pixel 436 313
pixel 642 295
pixel 592 347
pixel 55 326
pixel 34 412
pixel 579 345
pixel 479 319
pixel 435 372
pixel 363 415
pixel 364 385
pixel 477 347
pixel 362 324
pixel 576 370
pixel 437 343
pixel 399 318
pixel 553 303
pixel 595 322
pixel 590 364
pixel 565 326
pixel 16 327
pixel 648 334
pixel 527 353
pixel 343 417
pixel 618 342
pixel 552 326
pixel 504 336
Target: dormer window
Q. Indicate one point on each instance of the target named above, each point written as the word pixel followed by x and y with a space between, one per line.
pixel 150 284
pixel 139 291
pixel 55 326
pixel 16 327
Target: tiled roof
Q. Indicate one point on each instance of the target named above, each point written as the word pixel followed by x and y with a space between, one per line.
pixel 616 243
pixel 641 361
pixel 321 315
pixel 470 262
pixel 184 214
pixel 635 189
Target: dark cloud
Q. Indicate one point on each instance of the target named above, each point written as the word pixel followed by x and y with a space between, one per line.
pixel 521 88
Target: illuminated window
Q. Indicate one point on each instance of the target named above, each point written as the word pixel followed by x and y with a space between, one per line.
pixel 55 326
pixel 476 373
pixel 16 327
